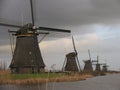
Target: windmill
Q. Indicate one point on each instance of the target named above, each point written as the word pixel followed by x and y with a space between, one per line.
pixel 71 62
pixel 98 65
pixel 105 67
pixel 88 64
pixel 27 56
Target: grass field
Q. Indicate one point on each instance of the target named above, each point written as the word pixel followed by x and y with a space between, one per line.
pixel 40 75
pixel 7 78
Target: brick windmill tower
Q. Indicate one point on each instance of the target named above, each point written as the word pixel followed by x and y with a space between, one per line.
pixel 105 67
pixel 88 64
pixel 71 62
pixel 97 65
pixel 27 56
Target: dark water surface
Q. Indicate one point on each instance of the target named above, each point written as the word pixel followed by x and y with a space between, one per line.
pixel 110 82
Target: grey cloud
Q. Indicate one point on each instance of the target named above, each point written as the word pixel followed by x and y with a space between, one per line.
pixel 62 12
pixel 77 15
pixel 68 12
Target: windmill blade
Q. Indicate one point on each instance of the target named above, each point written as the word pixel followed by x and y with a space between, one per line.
pixel 103 63
pixel 78 63
pixel 42 32
pixel 63 67
pixel 54 33
pixel 45 34
pixel 11 41
pixel 97 59
pixel 42 38
pixel 76 53
pixel 10 25
pixel 53 29
pixel 32 12
pixel 12 31
pixel 74 45
pixel 89 54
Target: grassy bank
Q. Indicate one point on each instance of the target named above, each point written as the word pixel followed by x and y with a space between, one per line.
pixel 7 78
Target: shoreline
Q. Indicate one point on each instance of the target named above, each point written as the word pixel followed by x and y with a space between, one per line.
pixel 41 81
pixel 6 78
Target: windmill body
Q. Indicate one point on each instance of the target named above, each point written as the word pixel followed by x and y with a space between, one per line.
pixel 105 67
pixel 71 64
pixel 97 65
pixel 98 68
pixel 27 56
pixel 88 66
pixel 71 61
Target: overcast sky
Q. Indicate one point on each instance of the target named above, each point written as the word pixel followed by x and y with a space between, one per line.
pixel 94 24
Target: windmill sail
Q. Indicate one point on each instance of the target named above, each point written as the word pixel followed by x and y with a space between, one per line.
pixel 74 45
pixel 32 12
pixel 71 59
pixel 98 65
pixel 89 54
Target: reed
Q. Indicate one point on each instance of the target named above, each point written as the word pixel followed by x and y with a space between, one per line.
pixel 7 78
